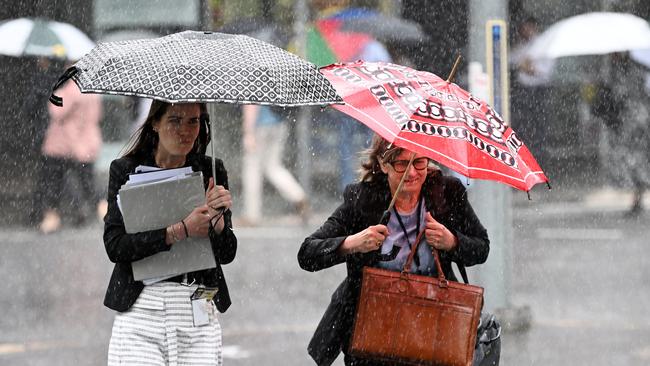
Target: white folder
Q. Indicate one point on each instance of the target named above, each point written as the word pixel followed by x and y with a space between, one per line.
pixel 157 205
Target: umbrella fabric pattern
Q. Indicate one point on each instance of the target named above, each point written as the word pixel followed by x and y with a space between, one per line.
pixel 201 67
pixel 38 37
pixel 421 112
pixel 595 33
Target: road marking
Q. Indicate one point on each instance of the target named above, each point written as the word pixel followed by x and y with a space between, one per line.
pixel 12 348
pixel 269 232
pixel 229 351
pixel 280 328
pixel 573 323
pixel 234 352
pixel 643 353
pixel 558 233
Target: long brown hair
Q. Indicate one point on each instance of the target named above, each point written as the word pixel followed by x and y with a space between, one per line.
pixel 144 141
pixel 382 151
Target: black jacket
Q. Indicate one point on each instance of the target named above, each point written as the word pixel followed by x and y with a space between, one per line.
pixel 363 205
pixel 123 248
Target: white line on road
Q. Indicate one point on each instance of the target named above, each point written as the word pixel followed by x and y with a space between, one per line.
pixel 558 233
pixel 270 232
pixel 230 351
pixel 11 348
pixel 234 352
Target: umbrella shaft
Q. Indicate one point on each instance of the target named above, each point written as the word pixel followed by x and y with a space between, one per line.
pixel 401 182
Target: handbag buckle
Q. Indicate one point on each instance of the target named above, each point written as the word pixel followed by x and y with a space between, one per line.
pixel 402 284
pixel 443 283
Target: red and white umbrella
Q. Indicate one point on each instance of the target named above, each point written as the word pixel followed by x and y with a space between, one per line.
pixel 424 113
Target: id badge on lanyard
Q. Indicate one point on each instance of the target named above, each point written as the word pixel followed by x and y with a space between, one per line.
pixel 202 304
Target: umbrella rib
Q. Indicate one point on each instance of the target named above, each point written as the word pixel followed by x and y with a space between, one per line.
pixel 468 168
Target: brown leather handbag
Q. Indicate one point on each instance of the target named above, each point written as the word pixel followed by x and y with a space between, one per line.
pixel 410 319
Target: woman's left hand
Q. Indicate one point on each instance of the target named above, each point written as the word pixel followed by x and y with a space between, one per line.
pixel 438 236
pixel 218 200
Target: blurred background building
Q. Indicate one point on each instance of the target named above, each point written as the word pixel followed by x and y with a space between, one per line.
pixel 551 118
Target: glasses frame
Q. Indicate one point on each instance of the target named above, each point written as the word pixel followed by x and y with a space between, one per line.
pixel 405 164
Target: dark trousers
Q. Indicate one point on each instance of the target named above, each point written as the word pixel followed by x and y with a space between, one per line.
pixel 51 185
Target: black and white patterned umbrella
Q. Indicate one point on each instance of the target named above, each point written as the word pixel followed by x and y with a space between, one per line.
pixel 195 66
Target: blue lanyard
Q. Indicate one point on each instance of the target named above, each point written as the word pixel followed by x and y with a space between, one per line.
pixel 418 216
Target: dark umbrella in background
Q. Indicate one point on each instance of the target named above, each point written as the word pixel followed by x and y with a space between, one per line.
pixel 259 28
pixel 201 67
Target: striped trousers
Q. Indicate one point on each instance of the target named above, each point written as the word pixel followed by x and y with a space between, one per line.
pixel 159 330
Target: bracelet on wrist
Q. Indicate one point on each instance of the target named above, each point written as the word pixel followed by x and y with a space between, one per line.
pixel 187 234
pixel 174 234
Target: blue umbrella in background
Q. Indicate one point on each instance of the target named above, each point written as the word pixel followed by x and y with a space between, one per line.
pixel 385 28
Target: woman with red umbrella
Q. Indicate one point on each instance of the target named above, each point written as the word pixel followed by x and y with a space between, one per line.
pixel 426 200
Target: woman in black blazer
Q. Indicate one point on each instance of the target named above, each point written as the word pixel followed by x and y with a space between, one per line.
pixel 351 235
pixel 155 323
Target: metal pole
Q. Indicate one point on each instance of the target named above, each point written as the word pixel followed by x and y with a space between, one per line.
pixel 303 136
pixel 493 201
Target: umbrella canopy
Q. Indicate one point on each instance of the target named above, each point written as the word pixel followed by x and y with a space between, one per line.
pixel 421 112
pixel 385 28
pixel 591 34
pixel 328 43
pixel 38 37
pixel 201 67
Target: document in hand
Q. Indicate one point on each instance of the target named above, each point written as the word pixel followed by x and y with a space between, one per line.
pixel 158 204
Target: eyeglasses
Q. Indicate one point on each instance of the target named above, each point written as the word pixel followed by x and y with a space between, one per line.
pixel 418 164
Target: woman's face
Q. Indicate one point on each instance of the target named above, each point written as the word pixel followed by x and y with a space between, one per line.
pixel 177 129
pixel 415 175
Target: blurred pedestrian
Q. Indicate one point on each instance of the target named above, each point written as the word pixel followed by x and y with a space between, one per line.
pixel 352 135
pixel 531 89
pixel 71 146
pixel 264 137
pixel 623 104
pixel 43 72
pixel 352 235
pixel 155 323
pixel 529 72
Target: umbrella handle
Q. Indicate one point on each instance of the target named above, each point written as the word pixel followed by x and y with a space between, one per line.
pixel 385 217
pixel 55 99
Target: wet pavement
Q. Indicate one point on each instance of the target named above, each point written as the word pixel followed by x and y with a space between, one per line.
pixel 577 263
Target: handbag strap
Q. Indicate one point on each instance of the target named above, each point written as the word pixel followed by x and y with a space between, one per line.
pixel 441 275
pixel 463 272
pixel 414 247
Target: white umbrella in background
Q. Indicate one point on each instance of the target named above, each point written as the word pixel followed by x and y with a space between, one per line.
pixel 40 37
pixel 641 56
pixel 592 34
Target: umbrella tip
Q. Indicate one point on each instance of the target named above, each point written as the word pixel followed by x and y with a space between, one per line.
pixel 454 69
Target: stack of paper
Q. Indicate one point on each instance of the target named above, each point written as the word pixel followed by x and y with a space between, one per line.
pixel 155 199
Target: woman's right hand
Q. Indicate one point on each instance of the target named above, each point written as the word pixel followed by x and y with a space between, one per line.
pixel 198 222
pixel 364 241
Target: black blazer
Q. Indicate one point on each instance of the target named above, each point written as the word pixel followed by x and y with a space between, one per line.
pixel 363 205
pixel 123 248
